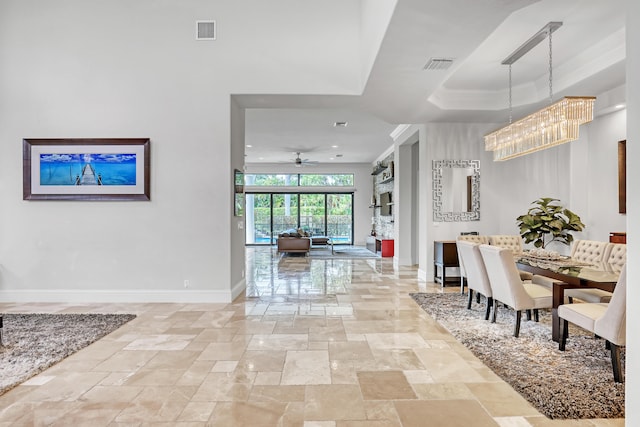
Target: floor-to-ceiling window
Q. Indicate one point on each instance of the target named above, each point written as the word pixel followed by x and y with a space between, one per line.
pixel 313 214
pixel 285 211
pixel 258 214
pixel 340 217
pixel 292 205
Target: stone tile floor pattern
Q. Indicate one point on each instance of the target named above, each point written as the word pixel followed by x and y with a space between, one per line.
pixel 315 343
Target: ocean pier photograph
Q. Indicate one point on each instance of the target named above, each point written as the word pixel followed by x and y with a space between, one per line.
pixel 88 169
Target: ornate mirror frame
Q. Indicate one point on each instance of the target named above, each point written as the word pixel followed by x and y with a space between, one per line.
pixel 473 189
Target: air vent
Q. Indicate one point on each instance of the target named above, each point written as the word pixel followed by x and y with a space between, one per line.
pixel 438 63
pixel 205 30
pixel 340 124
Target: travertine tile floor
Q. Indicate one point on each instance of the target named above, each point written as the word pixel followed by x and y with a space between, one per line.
pixel 316 343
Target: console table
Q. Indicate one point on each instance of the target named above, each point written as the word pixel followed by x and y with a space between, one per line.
pixel 377 244
pixel 445 255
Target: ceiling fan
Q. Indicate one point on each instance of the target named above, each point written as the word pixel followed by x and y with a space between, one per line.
pixel 299 162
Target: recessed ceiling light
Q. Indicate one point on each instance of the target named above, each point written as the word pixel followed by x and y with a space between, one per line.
pixel 249 145
pixel 331 158
pixel 334 146
pixel 340 124
pixel 619 106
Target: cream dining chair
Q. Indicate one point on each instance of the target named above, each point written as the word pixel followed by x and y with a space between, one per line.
pixel 477 279
pixel 616 258
pixel 513 242
pixel 475 238
pixel 606 320
pixel 509 289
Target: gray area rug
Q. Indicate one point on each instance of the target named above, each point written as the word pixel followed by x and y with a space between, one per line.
pixel 574 384
pixel 34 342
pixel 342 252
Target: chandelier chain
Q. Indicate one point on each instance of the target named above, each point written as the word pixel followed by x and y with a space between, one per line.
pixel 510 98
pixel 550 69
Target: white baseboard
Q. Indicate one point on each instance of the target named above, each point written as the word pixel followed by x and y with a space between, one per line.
pixel 131 296
pixel 238 289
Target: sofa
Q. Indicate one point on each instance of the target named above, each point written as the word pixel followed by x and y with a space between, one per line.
pixel 294 241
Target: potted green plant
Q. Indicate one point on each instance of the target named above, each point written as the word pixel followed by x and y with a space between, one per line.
pixel 548 222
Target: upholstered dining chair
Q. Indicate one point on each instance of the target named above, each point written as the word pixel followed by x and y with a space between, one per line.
pixel 477 279
pixel 606 320
pixel 509 289
pixel 510 241
pixel 513 242
pixel 616 259
pixel 590 251
pixel 475 238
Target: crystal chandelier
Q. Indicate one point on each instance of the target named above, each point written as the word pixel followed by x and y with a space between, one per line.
pixel 553 125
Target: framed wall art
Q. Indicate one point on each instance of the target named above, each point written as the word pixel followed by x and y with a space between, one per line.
pixel 238 193
pixel 86 169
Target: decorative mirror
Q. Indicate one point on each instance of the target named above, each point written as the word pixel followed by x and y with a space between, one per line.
pixel 456 190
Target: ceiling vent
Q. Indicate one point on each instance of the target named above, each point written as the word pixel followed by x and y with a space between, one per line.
pixel 205 30
pixel 438 63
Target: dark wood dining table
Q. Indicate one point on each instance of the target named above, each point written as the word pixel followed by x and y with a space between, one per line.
pixel 569 274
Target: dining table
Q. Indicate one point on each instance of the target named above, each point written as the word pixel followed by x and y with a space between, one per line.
pixel 568 274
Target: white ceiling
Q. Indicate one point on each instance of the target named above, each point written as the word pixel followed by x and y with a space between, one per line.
pixel 588 59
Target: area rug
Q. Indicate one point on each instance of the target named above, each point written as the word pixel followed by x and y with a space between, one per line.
pixel 342 252
pixel 574 384
pixel 34 342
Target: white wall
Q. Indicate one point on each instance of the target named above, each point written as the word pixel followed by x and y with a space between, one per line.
pixel 581 174
pixel 95 69
pixel 633 211
pixel 362 196
pixel 594 175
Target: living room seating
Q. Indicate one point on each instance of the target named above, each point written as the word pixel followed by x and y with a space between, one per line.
pixel 606 320
pixel 509 289
pixel 477 279
pixel 291 241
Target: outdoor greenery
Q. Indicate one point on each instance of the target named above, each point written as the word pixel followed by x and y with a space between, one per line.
pixel 548 222
pixel 310 208
pixel 299 179
pixel 318 213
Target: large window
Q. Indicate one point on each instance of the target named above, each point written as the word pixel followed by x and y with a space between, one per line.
pixel 321 214
pixel 340 217
pixel 299 180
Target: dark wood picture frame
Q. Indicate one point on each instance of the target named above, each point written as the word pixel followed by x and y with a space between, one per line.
pixel 238 193
pixel 622 176
pixel 35 150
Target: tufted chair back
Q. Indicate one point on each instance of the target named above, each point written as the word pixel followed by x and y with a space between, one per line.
pixel 510 241
pixel 482 240
pixel 590 251
pixel 617 256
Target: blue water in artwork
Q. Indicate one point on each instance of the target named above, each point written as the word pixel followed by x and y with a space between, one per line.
pixel 66 169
